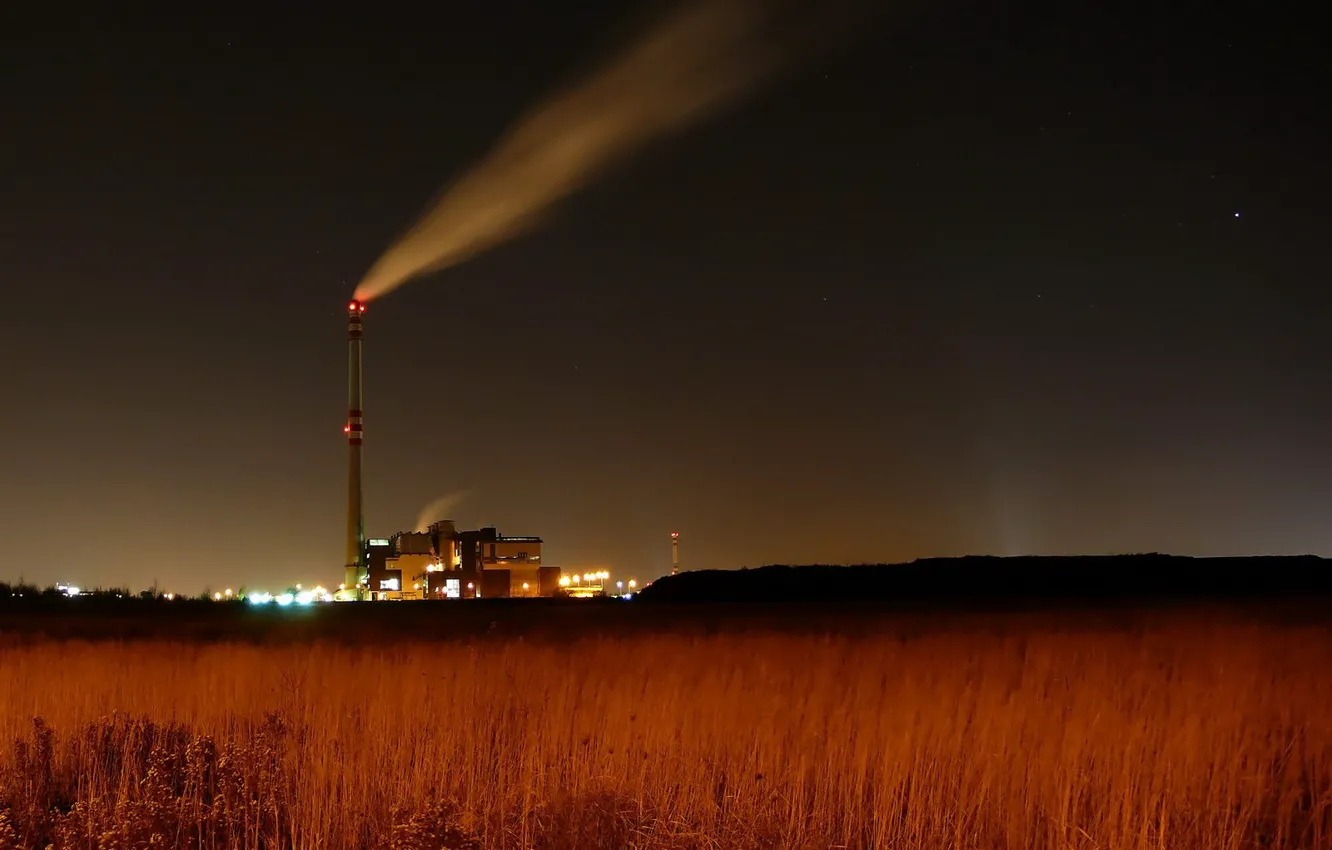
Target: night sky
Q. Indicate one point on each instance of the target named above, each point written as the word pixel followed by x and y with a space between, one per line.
pixel 998 279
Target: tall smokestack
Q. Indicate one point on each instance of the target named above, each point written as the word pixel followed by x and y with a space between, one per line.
pixel 355 569
pixel 675 553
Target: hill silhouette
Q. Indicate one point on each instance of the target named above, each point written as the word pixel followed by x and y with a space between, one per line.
pixel 1035 579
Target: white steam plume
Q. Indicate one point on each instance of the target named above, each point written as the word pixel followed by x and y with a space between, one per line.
pixel 441 508
pixel 704 55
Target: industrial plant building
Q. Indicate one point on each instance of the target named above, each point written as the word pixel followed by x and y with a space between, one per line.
pixel 445 563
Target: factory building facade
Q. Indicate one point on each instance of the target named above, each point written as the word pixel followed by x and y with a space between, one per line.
pixel 445 563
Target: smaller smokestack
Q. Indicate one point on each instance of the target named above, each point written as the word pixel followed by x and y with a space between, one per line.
pixel 675 553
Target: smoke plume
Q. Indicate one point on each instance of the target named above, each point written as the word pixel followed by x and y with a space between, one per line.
pixel 703 56
pixel 441 508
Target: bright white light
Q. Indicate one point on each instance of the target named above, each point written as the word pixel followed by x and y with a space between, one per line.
pixel 285 599
pixel 619 584
pixel 260 598
pixel 170 596
pixel 227 593
pixel 305 597
pixel 71 590
pixel 632 584
pixel 217 597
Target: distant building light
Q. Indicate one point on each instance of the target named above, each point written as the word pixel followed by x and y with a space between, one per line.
pixel 284 599
pixel 524 585
pixel 389 584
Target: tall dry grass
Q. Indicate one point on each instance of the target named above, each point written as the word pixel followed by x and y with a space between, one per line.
pixel 1190 737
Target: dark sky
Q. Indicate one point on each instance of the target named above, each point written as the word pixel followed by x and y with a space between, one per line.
pixel 1001 278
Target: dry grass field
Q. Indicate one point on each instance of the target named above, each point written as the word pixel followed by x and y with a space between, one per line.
pixel 1197 734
